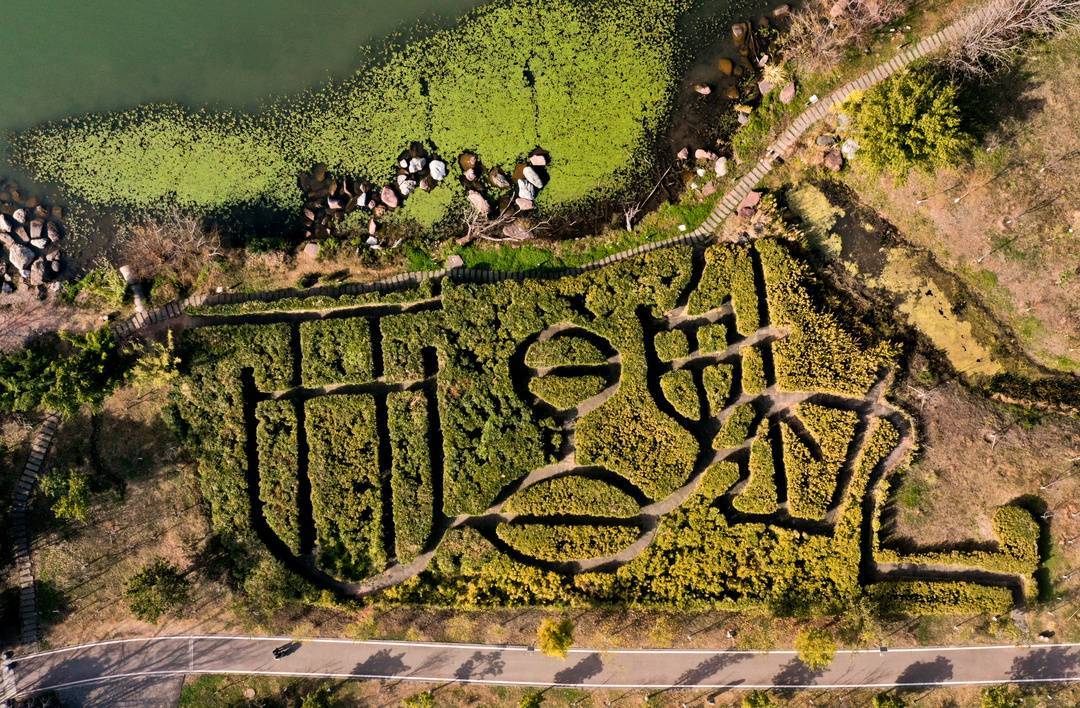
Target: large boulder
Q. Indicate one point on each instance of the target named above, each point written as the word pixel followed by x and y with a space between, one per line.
pixel 524 204
pixel 526 190
pixel 533 177
pixel 702 89
pixel 19 215
pixel 417 164
pixel 825 141
pixel 748 206
pixel 5 225
pixel 20 256
pixel 497 178
pixel 726 66
pixel 787 94
pixel 437 170
pixel 833 160
pixel 848 148
pixel 721 167
pixel 389 197
pixel 478 202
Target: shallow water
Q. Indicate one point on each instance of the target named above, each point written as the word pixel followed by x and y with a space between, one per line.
pixel 65 57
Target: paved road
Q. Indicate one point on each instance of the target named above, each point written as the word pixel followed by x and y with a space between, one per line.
pixel 125 661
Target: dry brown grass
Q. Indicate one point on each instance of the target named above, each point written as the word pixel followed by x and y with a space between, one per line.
pixel 822 32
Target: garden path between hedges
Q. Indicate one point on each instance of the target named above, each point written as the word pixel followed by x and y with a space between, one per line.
pixel 175 314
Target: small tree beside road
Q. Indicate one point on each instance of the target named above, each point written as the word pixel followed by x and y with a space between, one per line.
pixel 555 637
pixel 157 589
pixel 816 648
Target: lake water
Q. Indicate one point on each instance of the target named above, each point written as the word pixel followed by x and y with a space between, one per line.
pixel 65 57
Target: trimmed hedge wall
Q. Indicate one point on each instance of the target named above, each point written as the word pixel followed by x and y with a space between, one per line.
pixel 411 484
pixel 917 598
pixel 336 351
pixel 745 298
pixel 566 392
pixel 712 338
pixel 811 481
pixel 717 380
pixel 680 391
pixel 671 345
pixel 567 542
pixel 563 350
pixel 346 484
pixel 753 372
pixel 714 288
pixel 572 494
pixel 279 480
pixel 736 427
pixel 759 494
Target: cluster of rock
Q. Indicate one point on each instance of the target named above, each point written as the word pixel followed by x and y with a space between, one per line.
pixel 832 152
pixel 707 161
pixel 329 198
pixel 30 233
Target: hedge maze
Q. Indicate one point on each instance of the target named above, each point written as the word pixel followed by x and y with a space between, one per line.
pixel 693 428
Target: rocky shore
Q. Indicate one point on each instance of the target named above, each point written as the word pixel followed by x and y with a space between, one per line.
pixel 30 233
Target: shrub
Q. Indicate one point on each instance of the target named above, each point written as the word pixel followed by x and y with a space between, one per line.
pixel 671 345
pixel 759 494
pixel 816 647
pixel 157 589
pixel 718 479
pixel 811 481
pixel 336 351
pixel 736 427
pixel 567 542
pixel 279 477
pixel 681 392
pixel 714 288
pixel 69 492
pixel 565 392
pixel 103 287
pixel 717 380
pixel 572 494
pixel 910 120
pixel 411 482
pixel 753 372
pixel 555 637
pixel 745 298
pixel 916 598
pixel 346 484
pixel 563 350
pixel 712 338
pixel 155 365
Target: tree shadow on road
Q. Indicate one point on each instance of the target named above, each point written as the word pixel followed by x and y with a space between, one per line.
pixel 1046 664
pixel 581 672
pixel 481 665
pixel 794 674
pixel 925 673
pixel 382 664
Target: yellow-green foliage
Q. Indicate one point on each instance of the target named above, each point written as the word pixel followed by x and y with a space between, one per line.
pixel 745 298
pixel 566 391
pixel 335 351
pixel 717 380
pixel 259 302
pixel 759 494
pixel 564 542
pixel 712 338
pixel 818 353
pixel 279 480
pixel 563 350
pixel 753 371
pixel 736 427
pixel 715 285
pixel 680 391
pixel 818 216
pixel 812 481
pixel 346 484
pixel 572 494
pixel 671 345
pixel 411 484
pixel 717 480
pixel 511 76
pixel 917 598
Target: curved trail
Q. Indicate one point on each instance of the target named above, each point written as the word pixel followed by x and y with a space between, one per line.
pixel 112 665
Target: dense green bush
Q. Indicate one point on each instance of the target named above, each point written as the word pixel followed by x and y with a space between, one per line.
pixel 910 120
pixel 753 371
pixel 565 392
pixel 301 302
pixel 736 427
pixel 279 480
pixel 714 288
pixel 566 542
pixel 157 589
pixel 717 380
pixel 811 481
pixel 745 298
pixel 681 392
pixel 759 494
pixel 511 76
pixel 717 480
pixel 712 338
pixel 572 494
pixel 335 351
pixel 346 484
pixel 671 345
pixel 916 597
pixel 563 350
pixel 411 483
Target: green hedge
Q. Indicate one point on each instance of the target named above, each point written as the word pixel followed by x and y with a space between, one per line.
pixel 917 598
pixel 818 353
pixel 736 427
pixel 565 392
pixel 563 350
pixel 336 351
pixel 404 338
pixel 754 381
pixel 717 380
pixel 567 542
pixel 717 480
pixel 346 484
pixel 411 484
pixel 811 482
pixel 572 494
pixel 745 298
pixel 759 494
pixel 279 480
pixel 301 302
pixel 680 391
pixel 510 76
pixel 712 338
pixel 671 345
pixel 714 288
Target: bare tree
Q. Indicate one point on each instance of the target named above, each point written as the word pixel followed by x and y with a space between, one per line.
pixel 175 247
pixel 990 42
pixel 507 225
pixel 822 31
pixel 631 211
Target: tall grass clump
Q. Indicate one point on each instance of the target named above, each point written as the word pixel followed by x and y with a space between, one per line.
pixel 591 83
